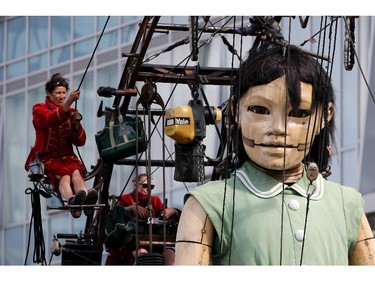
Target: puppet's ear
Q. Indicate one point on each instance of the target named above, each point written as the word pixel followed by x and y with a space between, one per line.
pixel 329 117
pixel 330 111
pixel 329 114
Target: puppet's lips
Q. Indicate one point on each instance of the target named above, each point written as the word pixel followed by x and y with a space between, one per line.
pixel 276 145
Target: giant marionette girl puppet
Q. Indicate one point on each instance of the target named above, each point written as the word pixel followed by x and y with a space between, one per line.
pixel 277 207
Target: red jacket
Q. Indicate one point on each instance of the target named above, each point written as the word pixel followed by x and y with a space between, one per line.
pixel 55 135
pixel 129 199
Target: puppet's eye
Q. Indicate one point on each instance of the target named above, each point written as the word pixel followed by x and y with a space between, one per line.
pixel 300 113
pixel 258 109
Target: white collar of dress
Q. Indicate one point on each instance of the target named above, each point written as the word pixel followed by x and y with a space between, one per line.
pixel 268 187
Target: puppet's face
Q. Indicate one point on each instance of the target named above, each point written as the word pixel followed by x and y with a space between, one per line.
pixel 271 131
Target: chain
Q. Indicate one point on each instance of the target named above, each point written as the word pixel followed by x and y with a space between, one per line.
pixel 200 155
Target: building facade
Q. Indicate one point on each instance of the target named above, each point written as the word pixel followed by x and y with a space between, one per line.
pixel 33 48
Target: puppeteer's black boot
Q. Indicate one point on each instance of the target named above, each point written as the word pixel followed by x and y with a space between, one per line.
pixel 78 199
pixel 91 198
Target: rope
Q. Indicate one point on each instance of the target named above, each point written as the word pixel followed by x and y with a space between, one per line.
pixel 83 77
pixel 39 246
pixel 92 56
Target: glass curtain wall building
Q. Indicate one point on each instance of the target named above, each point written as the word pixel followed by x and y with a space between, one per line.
pixel 33 48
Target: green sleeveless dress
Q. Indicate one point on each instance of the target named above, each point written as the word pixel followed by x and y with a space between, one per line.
pixel 265 226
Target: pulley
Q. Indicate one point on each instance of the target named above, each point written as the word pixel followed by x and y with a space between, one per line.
pixel 187 123
pixel 56 247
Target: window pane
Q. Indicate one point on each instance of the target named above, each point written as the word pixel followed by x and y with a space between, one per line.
pixel 83 26
pixel 350 103
pixel 14 247
pixel 16 38
pixel 350 168
pixel 38 36
pixel 2 42
pixel 113 21
pixel 108 40
pixel 128 33
pixel 83 48
pixel 85 106
pixel 14 173
pixel 60 30
pixel 107 76
pixel 16 69
pixel 33 96
pixel 38 62
pixel 1 74
pixel 127 19
pixel 60 55
pixel 2 181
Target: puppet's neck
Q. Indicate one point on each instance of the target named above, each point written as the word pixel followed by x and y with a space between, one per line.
pixel 289 177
